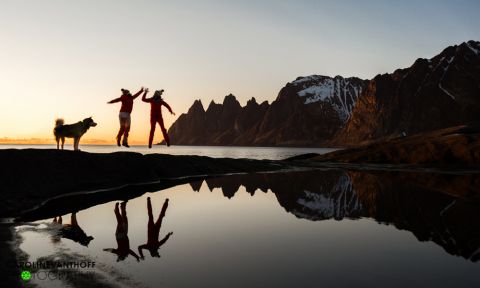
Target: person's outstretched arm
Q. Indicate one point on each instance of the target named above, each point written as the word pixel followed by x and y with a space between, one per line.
pixel 161 242
pixel 168 107
pixel 134 254
pixel 137 94
pixel 115 100
pixel 144 97
pixel 114 251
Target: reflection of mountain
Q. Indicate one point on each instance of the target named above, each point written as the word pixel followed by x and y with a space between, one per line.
pixel 422 203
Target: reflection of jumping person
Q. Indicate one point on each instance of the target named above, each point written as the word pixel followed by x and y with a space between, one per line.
pixel 121 234
pixel 124 116
pixel 154 231
pixel 156 103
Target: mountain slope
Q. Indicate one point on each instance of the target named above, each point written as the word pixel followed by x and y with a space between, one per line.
pixel 434 93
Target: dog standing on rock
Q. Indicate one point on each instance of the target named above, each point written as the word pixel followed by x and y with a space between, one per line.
pixel 74 131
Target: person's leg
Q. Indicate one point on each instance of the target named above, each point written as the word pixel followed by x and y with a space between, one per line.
pixel 117 214
pixel 153 123
pixel 158 224
pixel 119 230
pixel 164 131
pixel 120 133
pixel 126 131
pixel 123 207
pixel 122 122
pixel 149 208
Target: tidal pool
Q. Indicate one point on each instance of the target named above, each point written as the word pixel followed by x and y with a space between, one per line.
pixel 321 228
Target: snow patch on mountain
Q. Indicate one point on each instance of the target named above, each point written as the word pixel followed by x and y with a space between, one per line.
pixel 470 44
pixel 338 91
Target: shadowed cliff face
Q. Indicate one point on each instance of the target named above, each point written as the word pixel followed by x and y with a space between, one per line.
pixel 432 94
pixel 448 215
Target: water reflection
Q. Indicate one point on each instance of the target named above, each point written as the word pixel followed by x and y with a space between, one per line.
pixel 441 208
pixel 153 233
pixel 121 234
pixel 71 231
pixel 279 230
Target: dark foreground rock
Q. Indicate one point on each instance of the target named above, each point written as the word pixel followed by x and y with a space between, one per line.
pixel 31 176
pixel 452 147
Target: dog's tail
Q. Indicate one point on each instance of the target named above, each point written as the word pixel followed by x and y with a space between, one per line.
pixel 59 122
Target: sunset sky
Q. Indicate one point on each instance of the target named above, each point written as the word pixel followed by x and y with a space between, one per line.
pixel 68 58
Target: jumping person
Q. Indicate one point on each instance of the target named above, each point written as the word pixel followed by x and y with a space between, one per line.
pixel 156 103
pixel 124 116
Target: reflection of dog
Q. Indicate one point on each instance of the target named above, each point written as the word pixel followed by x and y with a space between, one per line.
pixel 73 231
pixel 74 131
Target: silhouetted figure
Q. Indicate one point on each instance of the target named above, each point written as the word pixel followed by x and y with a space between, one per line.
pixel 72 231
pixel 156 103
pixel 153 244
pixel 124 116
pixel 121 234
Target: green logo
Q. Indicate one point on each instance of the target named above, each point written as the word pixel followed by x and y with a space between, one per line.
pixel 26 275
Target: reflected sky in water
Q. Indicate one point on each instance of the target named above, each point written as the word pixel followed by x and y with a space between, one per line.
pixel 301 229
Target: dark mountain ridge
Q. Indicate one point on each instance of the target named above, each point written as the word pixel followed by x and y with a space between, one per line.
pixel 317 110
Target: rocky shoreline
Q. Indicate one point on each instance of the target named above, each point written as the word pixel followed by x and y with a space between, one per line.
pixel 455 147
pixel 30 176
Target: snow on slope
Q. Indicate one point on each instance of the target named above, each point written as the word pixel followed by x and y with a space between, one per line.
pixel 342 201
pixel 341 92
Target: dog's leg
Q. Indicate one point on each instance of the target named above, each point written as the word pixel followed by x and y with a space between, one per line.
pixel 75 143
pixel 63 142
pixel 58 142
pixel 78 143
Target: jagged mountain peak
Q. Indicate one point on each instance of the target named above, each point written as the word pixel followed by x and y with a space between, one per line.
pixel 252 101
pixel 231 102
pixel 196 107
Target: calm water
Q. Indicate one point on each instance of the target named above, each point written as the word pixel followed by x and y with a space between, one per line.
pixel 211 151
pixel 329 228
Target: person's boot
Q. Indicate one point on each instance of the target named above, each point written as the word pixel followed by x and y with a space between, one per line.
pixel 125 142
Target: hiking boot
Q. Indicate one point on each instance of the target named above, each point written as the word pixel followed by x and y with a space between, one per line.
pixel 125 144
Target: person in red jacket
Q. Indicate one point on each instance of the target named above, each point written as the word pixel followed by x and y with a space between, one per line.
pixel 124 116
pixel 156 103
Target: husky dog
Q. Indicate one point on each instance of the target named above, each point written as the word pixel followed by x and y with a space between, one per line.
pixel 74 131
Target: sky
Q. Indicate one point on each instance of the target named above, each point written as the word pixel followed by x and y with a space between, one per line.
pixel 62 58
